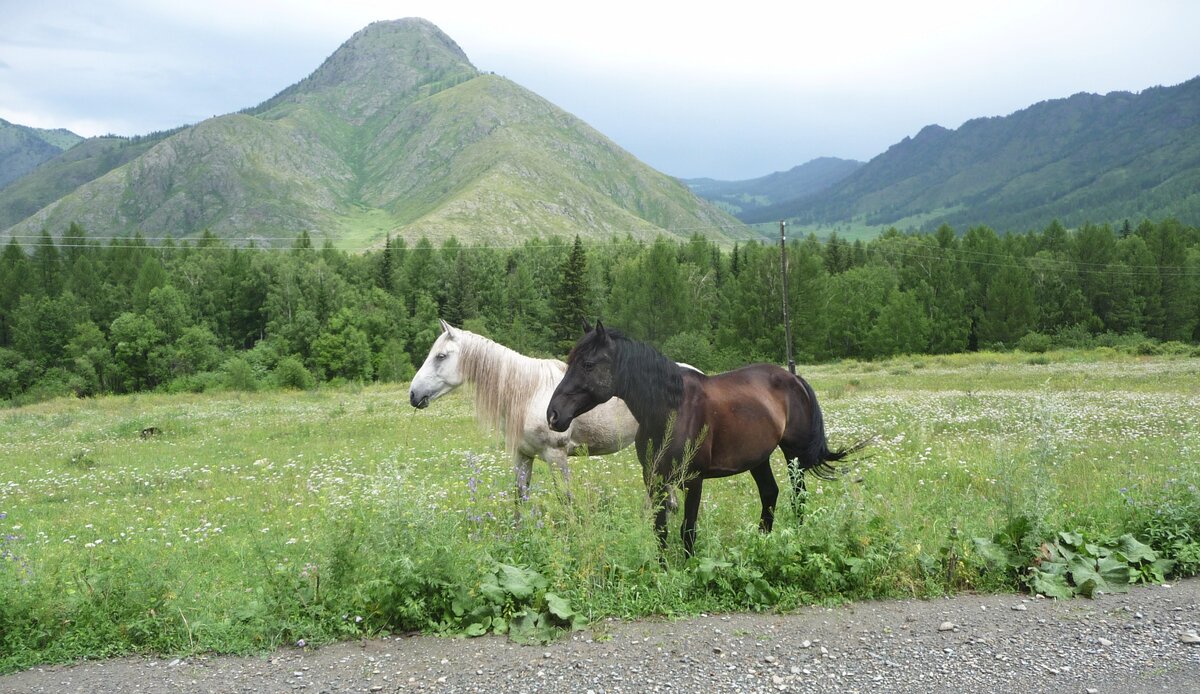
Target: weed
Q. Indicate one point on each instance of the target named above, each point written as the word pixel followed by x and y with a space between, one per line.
pixel 274 517
pixel 82 458
pixel 1169 521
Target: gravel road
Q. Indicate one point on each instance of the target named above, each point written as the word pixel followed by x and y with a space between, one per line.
pixel 1142 641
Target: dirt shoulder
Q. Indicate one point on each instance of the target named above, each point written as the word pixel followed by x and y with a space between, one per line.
pixel 1135 642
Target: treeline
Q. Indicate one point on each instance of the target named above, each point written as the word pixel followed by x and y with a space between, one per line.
pixel 85 317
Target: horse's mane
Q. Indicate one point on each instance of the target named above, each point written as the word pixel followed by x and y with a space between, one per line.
pixel 649 382
pixel 505 381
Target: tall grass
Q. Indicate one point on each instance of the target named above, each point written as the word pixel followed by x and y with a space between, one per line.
pixel 252 521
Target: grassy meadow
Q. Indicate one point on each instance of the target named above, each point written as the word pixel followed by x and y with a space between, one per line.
pixel 252 520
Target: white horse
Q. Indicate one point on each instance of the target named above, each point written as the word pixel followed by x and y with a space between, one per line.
pixel 512 392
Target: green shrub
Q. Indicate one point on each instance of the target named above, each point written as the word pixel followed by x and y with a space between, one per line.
pixel 692 348
pixel 1170 523
pixel 239 375
pixel 1034 342
pixel 1074 337
pixel 1176 348
pixel 55 383
pixel 291 373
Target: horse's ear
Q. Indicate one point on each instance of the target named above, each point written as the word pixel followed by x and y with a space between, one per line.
pixel 600 329
pixel 587 327
pixel 446 327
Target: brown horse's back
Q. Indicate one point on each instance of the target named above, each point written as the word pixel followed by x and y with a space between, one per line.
pixel 748 411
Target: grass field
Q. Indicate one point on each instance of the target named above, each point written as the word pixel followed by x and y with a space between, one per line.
pixel 258 519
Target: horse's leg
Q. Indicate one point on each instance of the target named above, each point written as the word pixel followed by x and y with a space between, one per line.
pixel 659 494
pixel 668 489
pixel 691 507
pixel 768 493
pixel 523 470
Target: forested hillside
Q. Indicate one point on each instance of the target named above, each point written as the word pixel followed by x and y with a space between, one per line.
pixel 1087 158
pixel 23 149
pixel 84 317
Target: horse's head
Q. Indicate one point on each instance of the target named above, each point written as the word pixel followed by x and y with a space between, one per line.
pixel 589 380
pixel 440 373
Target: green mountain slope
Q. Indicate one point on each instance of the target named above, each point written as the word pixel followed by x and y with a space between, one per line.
pixel 517 163
pixel 23 149
pixel 395 133
pixel 57 177
pixel 1084 158
pixel 782 187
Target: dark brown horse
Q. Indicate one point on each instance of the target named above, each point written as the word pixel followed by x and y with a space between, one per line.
pixel 693 427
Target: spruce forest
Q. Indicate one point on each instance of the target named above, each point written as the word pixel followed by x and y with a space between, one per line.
pixel 89 316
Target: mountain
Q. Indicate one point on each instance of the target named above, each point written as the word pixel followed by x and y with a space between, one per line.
pixel 67 171
pixel 23 148
pixel 1084 158
pixel 395 133
pixel 740 197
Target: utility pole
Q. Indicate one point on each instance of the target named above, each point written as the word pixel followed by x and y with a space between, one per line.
pixel 787 321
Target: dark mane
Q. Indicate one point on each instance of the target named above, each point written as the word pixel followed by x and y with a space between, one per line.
pixel 651 383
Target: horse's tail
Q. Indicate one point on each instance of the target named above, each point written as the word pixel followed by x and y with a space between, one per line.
pixel 817 455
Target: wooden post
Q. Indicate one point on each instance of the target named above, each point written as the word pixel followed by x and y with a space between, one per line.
pixel 787 321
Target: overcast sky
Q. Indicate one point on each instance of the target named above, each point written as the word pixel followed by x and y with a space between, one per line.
pixel 726 90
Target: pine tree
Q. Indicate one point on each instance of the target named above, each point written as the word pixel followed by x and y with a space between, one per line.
pixel 526 326
pixel 946 238
pixel 43 325
pixel 74 245
pixel 648 299
pixel 461 301
pixel 48 265
pixel 423 272
pixel 1009 310
pixel 150 277
pixel 302 243
pixel 855 299
pixel 1054 238
pixel 837 255
pixel 385 272
pixel 902 327
pixel 1166 243
pixel 1092 249
pixel 14 281
pixel 571 299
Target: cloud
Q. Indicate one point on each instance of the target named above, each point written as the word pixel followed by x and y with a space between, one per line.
pixel 723 94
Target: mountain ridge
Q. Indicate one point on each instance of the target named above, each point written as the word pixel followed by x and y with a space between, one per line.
pixel 396 133
pixel 23 148
pixel 1086 157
